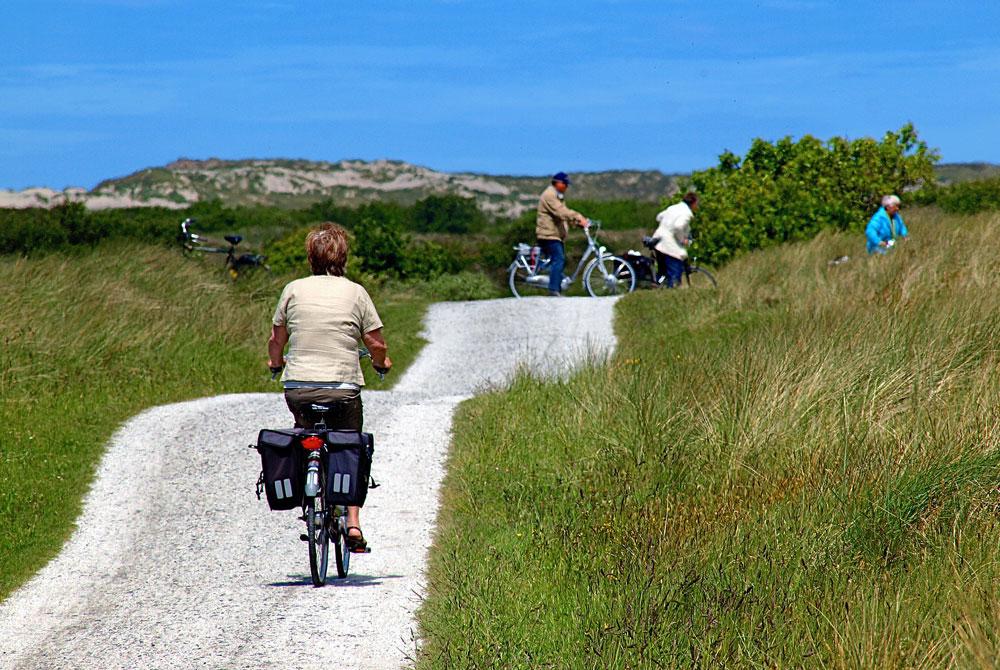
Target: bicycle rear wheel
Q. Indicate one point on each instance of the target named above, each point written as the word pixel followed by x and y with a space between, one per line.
pixel 700 278
pixel 610 275
pixel 341 552
pixel 319 539
pixel 524 283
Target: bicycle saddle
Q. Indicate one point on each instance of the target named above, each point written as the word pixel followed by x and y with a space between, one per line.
pixel 234 239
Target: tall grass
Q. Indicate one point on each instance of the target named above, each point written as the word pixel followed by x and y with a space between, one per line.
pixel 90 339
pixel 801 469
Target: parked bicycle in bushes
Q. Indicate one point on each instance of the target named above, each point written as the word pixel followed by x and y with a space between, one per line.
pixel 236 263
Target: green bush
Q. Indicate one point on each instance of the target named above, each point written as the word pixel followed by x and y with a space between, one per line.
pixel 27 230
pixel 423 259
pixel 969 197
pixel 379 245
pixel 790 190
pixel 447 214
pixel 287 254
pixel 377 249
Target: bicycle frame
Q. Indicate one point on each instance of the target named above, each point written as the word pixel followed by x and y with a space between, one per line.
pixel 192 241
pixel 593 249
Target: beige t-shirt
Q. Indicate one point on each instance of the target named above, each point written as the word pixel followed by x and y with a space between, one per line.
pixel 326 317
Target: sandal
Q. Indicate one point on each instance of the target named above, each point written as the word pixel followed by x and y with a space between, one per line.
pixel 356 543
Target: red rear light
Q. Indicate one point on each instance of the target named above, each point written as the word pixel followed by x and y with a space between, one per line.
pixel 312 443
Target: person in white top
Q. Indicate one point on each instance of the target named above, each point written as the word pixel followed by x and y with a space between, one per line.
pixel 321 319
pixel 674 236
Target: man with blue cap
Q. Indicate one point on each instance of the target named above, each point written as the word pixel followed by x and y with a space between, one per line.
pixel 552 227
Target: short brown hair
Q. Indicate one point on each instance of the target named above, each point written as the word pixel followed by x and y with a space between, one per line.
pixel 326 248
pixel 690 198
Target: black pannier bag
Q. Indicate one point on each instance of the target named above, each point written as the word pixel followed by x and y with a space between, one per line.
pixel 348 466
pixel 642 265
pixel 281 468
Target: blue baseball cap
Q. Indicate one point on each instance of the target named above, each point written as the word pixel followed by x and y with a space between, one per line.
pixel 561 176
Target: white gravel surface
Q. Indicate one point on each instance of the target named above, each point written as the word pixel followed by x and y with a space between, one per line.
pixel 175 564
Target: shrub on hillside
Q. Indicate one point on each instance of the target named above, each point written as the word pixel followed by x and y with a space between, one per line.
pixel 970 197
pixel 447 214
pixel 24 231
pixel 790 190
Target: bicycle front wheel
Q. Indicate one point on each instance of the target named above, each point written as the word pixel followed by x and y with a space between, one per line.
pixel 525 283
pixel 610 275
pixel 319 539
pixel 700 278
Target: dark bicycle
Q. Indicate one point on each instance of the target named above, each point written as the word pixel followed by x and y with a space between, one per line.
pixel 236 263
pixel 322 471
pixel 326 523
pixel 645 269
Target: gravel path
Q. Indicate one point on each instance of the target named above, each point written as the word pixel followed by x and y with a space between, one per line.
pixel 175 564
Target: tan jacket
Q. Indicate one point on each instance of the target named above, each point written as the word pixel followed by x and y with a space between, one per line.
pixel 554 216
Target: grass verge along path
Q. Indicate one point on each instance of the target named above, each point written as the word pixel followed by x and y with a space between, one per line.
pixel 799 470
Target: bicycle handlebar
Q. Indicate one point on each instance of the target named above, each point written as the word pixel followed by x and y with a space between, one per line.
pixel 380 371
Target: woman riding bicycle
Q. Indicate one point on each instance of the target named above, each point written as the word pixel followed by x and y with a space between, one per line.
pixel 322 318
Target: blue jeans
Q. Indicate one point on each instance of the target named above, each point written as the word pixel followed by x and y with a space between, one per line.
pixel 557 261
pixel 670 269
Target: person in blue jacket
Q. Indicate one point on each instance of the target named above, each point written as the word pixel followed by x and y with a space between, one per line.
pixel 885 225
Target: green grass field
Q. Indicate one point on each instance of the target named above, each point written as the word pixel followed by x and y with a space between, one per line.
pixel 91 339
pixel 799 470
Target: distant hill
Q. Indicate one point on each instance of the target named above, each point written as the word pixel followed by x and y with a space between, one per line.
pixel 298 183
pixel 950 173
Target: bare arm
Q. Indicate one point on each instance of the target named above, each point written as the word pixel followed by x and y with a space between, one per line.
pixel 377 348
pixel 276 347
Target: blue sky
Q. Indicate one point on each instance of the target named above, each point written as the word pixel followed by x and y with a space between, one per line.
pixel 93 89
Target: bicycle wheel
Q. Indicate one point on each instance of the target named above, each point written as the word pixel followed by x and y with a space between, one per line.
pixel 524 283
pixel 700 278
pixel 610 275
pixel 341 552
pixel 319 539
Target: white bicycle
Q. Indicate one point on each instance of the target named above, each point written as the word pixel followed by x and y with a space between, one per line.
pixel 605 274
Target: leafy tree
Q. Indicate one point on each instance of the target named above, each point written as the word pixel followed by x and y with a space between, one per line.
pixel 790 190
